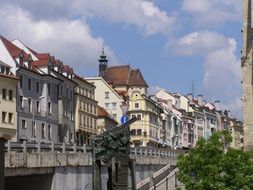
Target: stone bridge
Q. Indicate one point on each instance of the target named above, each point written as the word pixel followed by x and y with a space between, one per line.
pixel 68 167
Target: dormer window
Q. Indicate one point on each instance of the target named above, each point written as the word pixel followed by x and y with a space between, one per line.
pixel 7 69
pixel 30 62
pixel 21 59
pixel 49 68
pixel 2 69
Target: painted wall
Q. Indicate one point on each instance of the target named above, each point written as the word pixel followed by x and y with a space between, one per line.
pixel 101 88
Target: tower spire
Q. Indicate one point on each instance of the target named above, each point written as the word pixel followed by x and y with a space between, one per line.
pixel 102 63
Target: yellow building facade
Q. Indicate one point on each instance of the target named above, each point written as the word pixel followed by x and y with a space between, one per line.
pixel 8 112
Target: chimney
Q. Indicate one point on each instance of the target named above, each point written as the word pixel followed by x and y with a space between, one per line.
pixel 169 104
pixel 200 99
pixel 190 96
pixel 217 105
pixel 177 104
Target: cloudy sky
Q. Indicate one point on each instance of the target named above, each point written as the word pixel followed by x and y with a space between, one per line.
pixel 173 42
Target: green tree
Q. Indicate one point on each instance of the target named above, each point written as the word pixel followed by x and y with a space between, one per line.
pixel 213 165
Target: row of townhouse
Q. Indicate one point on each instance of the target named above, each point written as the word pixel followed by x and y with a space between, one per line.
pixel 164 119
pixel 43 100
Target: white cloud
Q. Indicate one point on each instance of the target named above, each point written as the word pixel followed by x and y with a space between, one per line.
pixel 154 89
pixel 222 72
pixel 199 43
pixel 143 14
pixel 213 12
pixel 69 40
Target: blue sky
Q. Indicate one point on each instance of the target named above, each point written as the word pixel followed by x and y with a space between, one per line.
pixel 173 42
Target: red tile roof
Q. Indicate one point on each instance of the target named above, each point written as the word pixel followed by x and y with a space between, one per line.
pixel 43 56
pixel 124 75
pixel 102 112
pixel 66 68
pixel 13 49
pixel 39 63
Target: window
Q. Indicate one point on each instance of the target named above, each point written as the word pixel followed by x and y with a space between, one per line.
pixel 2 69
pixel 84 120
pixel 7 70
pixel 49 108
pixel 10 118
pixel 3 93
pixel 133 132
pixel 29 84
pixel 33 129
pixel 87 92
pixel 91 108
pixel 48 88
pixel 114 116
pixel 90 94
pixel 139 116
pixel 138 131
pixel 30 105
pixel 80 119
pixel 38 106
pixel 71 94
pixel 84 106
pixel 67 92
pixel 37 87
pixel 20 81
pixel 43 130
pixel 21 101
pixel 49 131
pixel 88 121
pixel 4 117
pixel 23 124
pixel 106 105
pixel 10 95
pixel 136 105
pixel 88 107
pixel 114 105
pixel 80 103
pixel 106 95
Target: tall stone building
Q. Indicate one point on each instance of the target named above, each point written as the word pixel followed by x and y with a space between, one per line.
pixel 247 75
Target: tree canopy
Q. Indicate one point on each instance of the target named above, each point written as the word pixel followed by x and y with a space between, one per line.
pixel 213 165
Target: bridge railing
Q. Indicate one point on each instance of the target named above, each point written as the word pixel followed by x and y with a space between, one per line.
pixel 43 147
pixel 74 148
pixel 159 152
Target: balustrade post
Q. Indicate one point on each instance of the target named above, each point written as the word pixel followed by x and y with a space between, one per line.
pixel 146 152
pixel 84 148
pixel 24 146
pixel 135 151
pixel 38 147
pixel 74 148
pixel 140 151
pixel 9 146
pixel 63 148
pixel 162 154
pixel 52 147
